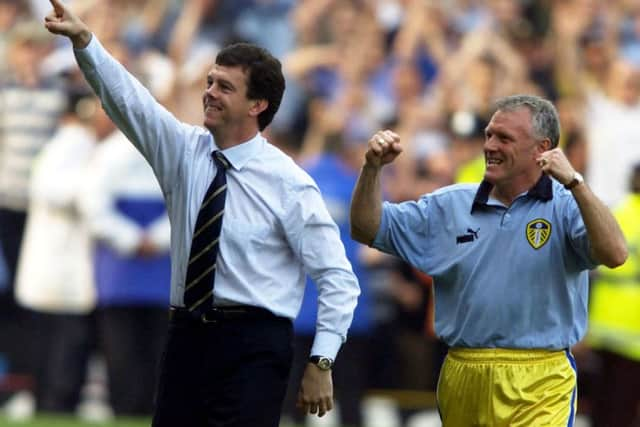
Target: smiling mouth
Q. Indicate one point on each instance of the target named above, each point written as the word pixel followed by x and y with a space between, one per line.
pixel 493 162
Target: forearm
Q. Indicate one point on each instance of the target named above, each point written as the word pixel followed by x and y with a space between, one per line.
pixel 608 245
pixel 184 31
pixel 127 102
pixel 116 231
pixel 366 205
pixel 153 130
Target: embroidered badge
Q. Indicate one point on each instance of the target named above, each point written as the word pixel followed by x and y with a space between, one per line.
pixel 538 232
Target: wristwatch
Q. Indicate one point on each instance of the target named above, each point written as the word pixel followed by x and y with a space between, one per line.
pixel 575 180
pixel 323 363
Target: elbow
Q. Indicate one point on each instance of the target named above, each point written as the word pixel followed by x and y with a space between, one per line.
pixel 617 257
pixel 359 235
pixel 620 258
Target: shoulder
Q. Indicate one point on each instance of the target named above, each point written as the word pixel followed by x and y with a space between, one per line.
pixel 284 168
pixel 455 199
pixel 456 193
pixel 456 190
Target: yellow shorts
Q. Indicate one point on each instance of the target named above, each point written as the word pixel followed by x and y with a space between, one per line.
pixel 501 387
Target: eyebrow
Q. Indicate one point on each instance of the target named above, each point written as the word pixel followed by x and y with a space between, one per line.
pixel 498 133
pixel 221 80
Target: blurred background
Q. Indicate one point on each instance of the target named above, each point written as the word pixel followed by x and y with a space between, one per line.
pixel 84 237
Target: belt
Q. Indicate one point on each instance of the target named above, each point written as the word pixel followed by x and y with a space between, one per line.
pixel 219 314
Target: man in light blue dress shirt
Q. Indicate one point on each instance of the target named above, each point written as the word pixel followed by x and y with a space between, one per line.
pixel 230 366
pixel 509 260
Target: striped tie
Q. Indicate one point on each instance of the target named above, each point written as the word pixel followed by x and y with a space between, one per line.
pixel 198 292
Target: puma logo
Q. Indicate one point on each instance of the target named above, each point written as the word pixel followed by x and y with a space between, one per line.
pixel 469 237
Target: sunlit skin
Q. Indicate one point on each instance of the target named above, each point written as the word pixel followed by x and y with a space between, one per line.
pixel 228 114
pixel 511 153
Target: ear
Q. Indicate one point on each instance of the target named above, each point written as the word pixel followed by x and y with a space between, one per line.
pixel 545 145
pixel 257 107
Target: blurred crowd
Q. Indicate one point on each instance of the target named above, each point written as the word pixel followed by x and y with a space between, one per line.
pixel 83 231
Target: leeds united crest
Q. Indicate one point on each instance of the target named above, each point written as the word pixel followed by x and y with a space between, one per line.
pixel 538 232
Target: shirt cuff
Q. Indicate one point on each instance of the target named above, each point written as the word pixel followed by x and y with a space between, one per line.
pixel 326 344
pixel 87 56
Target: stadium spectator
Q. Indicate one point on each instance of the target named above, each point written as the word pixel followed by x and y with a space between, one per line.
pixel 59 294
pixel 230 350
pixel 31 104
pixel 610 101
pixel 614 325
pixel 509 367
pixel 123 207
pixel 11 12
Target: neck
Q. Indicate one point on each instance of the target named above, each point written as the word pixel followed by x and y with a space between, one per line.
pixel 506 192
pixel 229 137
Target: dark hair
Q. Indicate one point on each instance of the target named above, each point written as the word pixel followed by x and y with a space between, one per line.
pixel 264 75
pixel 635 178
pixel 545 122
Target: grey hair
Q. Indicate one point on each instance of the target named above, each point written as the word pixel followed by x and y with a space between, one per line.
pixel 545 122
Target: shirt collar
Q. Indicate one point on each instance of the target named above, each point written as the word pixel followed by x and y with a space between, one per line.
pixel 542 190
pixel 239 155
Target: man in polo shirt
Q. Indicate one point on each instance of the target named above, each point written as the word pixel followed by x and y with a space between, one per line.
pixel 509 258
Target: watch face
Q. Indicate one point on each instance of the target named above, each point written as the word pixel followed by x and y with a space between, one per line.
pixel 324 363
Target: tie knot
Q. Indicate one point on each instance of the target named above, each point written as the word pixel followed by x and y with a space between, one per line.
pixel 221 160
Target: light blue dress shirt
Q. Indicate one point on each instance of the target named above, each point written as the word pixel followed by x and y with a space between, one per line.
pixel 506 277
pixel 276 227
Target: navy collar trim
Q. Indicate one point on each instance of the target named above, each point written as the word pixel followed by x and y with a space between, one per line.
pixel 542 190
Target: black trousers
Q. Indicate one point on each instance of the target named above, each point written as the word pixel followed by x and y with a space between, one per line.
pixel 66 343
pixel 616 401
pixel 230 373
pixel 15 327
pixel 132 339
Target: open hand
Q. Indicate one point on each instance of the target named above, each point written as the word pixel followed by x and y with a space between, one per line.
pixel 316 391
pixel 64 22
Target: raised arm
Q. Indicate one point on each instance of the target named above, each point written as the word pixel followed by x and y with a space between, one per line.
pixel 608 245
pixel 153 130
pixel 366 202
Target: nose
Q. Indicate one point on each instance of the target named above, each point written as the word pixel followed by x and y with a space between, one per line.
pixel 490 143
pixel 211 91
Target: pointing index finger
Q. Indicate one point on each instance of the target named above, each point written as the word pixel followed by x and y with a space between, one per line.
pixel 57 6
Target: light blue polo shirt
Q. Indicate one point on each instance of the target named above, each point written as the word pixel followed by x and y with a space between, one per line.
pixel 507 277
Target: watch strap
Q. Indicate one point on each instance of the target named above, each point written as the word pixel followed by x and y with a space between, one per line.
pixel 577 179
pixel 322 362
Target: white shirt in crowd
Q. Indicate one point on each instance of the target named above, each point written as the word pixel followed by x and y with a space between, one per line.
pixel 54 269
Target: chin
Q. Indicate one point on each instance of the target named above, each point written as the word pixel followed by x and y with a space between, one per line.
pixel 209 124
pixel 490 177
